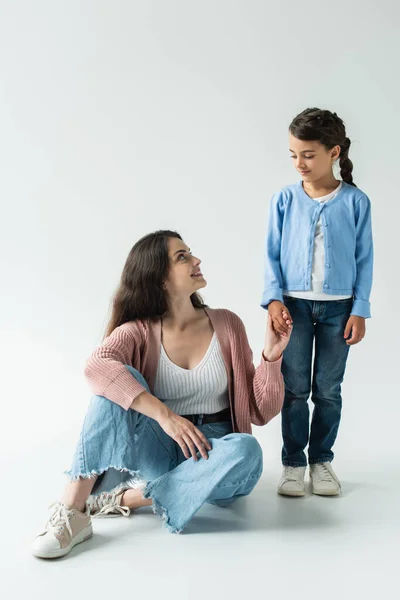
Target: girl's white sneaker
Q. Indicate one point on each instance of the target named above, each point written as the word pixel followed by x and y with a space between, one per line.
pixel 292 481
pixel 324 481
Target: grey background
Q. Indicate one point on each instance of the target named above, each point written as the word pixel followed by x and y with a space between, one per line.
pixel 118 118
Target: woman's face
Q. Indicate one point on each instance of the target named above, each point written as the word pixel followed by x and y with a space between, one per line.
pixel 312 159
pixel 184 277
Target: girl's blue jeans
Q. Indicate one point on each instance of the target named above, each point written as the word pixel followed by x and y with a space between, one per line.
pixel 313 364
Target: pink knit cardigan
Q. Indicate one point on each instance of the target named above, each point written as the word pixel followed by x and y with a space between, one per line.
pixel 255 395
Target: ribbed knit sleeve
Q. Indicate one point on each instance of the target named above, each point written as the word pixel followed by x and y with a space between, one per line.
pixel 268 392
pixel 105 369
pixel 261 387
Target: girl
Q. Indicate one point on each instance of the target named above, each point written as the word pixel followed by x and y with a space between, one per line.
pixel 175 395
pixel 318 273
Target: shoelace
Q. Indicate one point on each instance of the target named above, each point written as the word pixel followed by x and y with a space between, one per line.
pixel 323 473
pixel 293 474
pixel 106 503
pixel 60 519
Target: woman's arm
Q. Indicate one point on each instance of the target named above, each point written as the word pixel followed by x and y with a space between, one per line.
pixel 190 439
pixel 105 369
pixel 265 383
pixel 268 392
pixel 109 377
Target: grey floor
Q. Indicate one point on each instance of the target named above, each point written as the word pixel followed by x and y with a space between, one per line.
pixel 265 546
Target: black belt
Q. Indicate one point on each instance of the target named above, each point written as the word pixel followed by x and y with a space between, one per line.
pixel 222 415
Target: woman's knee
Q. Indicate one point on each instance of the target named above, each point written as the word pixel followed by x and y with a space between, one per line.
pixel 246 447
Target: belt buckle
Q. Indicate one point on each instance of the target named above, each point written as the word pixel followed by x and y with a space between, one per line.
pixel 197 419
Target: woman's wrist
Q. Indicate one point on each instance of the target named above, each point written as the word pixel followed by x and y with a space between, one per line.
pixel 271 356
pixel 150 406
pixel 162 414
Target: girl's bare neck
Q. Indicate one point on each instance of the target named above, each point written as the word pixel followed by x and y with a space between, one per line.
pixel 321 187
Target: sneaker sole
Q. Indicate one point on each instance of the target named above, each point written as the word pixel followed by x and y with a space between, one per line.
pixel 82 536
pixel 293 494
pixel 327 493
pixel 107 516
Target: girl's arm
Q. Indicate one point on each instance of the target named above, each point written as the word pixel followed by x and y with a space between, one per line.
pixel 273 282
pixel 364 258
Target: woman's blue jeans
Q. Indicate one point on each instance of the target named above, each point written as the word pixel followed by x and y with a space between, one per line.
pixel 119 445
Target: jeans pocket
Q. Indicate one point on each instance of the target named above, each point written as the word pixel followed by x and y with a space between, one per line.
pixel 217 430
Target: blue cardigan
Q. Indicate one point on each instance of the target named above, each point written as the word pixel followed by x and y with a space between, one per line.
pixel 346 220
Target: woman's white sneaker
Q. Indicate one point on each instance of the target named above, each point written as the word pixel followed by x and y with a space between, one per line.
pixel 65 528
pixel 108 504
pixel 324 481
pixel 292 481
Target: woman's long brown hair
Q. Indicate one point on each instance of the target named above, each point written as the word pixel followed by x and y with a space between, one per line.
pixel 141 293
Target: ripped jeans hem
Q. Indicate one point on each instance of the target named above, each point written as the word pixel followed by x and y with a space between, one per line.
pixel 160 510
pixel 135 480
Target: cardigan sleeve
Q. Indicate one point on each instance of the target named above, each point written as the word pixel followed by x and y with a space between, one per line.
pixel 268 392
pixel 273 280
pixel 364 258
pixel 106 369
pixel 264 384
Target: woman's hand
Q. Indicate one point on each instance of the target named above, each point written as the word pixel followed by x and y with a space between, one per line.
pixel 189 438
pixel 275 343
pixel 355 327
pixel 279 322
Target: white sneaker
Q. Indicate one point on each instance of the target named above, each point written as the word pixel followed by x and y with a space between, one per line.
pixel 108 504
pixel 324 480
pixel 292 481
pixel 65 528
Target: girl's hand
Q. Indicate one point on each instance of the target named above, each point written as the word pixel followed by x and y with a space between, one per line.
pixel 279 322
pixel 355 328
pixel 189 438
pixel 275 343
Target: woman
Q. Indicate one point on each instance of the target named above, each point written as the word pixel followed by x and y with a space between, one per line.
pixel 176 393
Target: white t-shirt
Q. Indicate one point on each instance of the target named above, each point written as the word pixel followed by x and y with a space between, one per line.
pixel 318 266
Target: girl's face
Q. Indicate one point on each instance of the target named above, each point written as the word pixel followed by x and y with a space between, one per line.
pixel 312 159
pixel 184 277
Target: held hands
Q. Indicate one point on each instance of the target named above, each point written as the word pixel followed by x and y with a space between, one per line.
pixel 355 327
pixel 282 325
pixel 189 438
pixel 278 331
pixel 276 310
